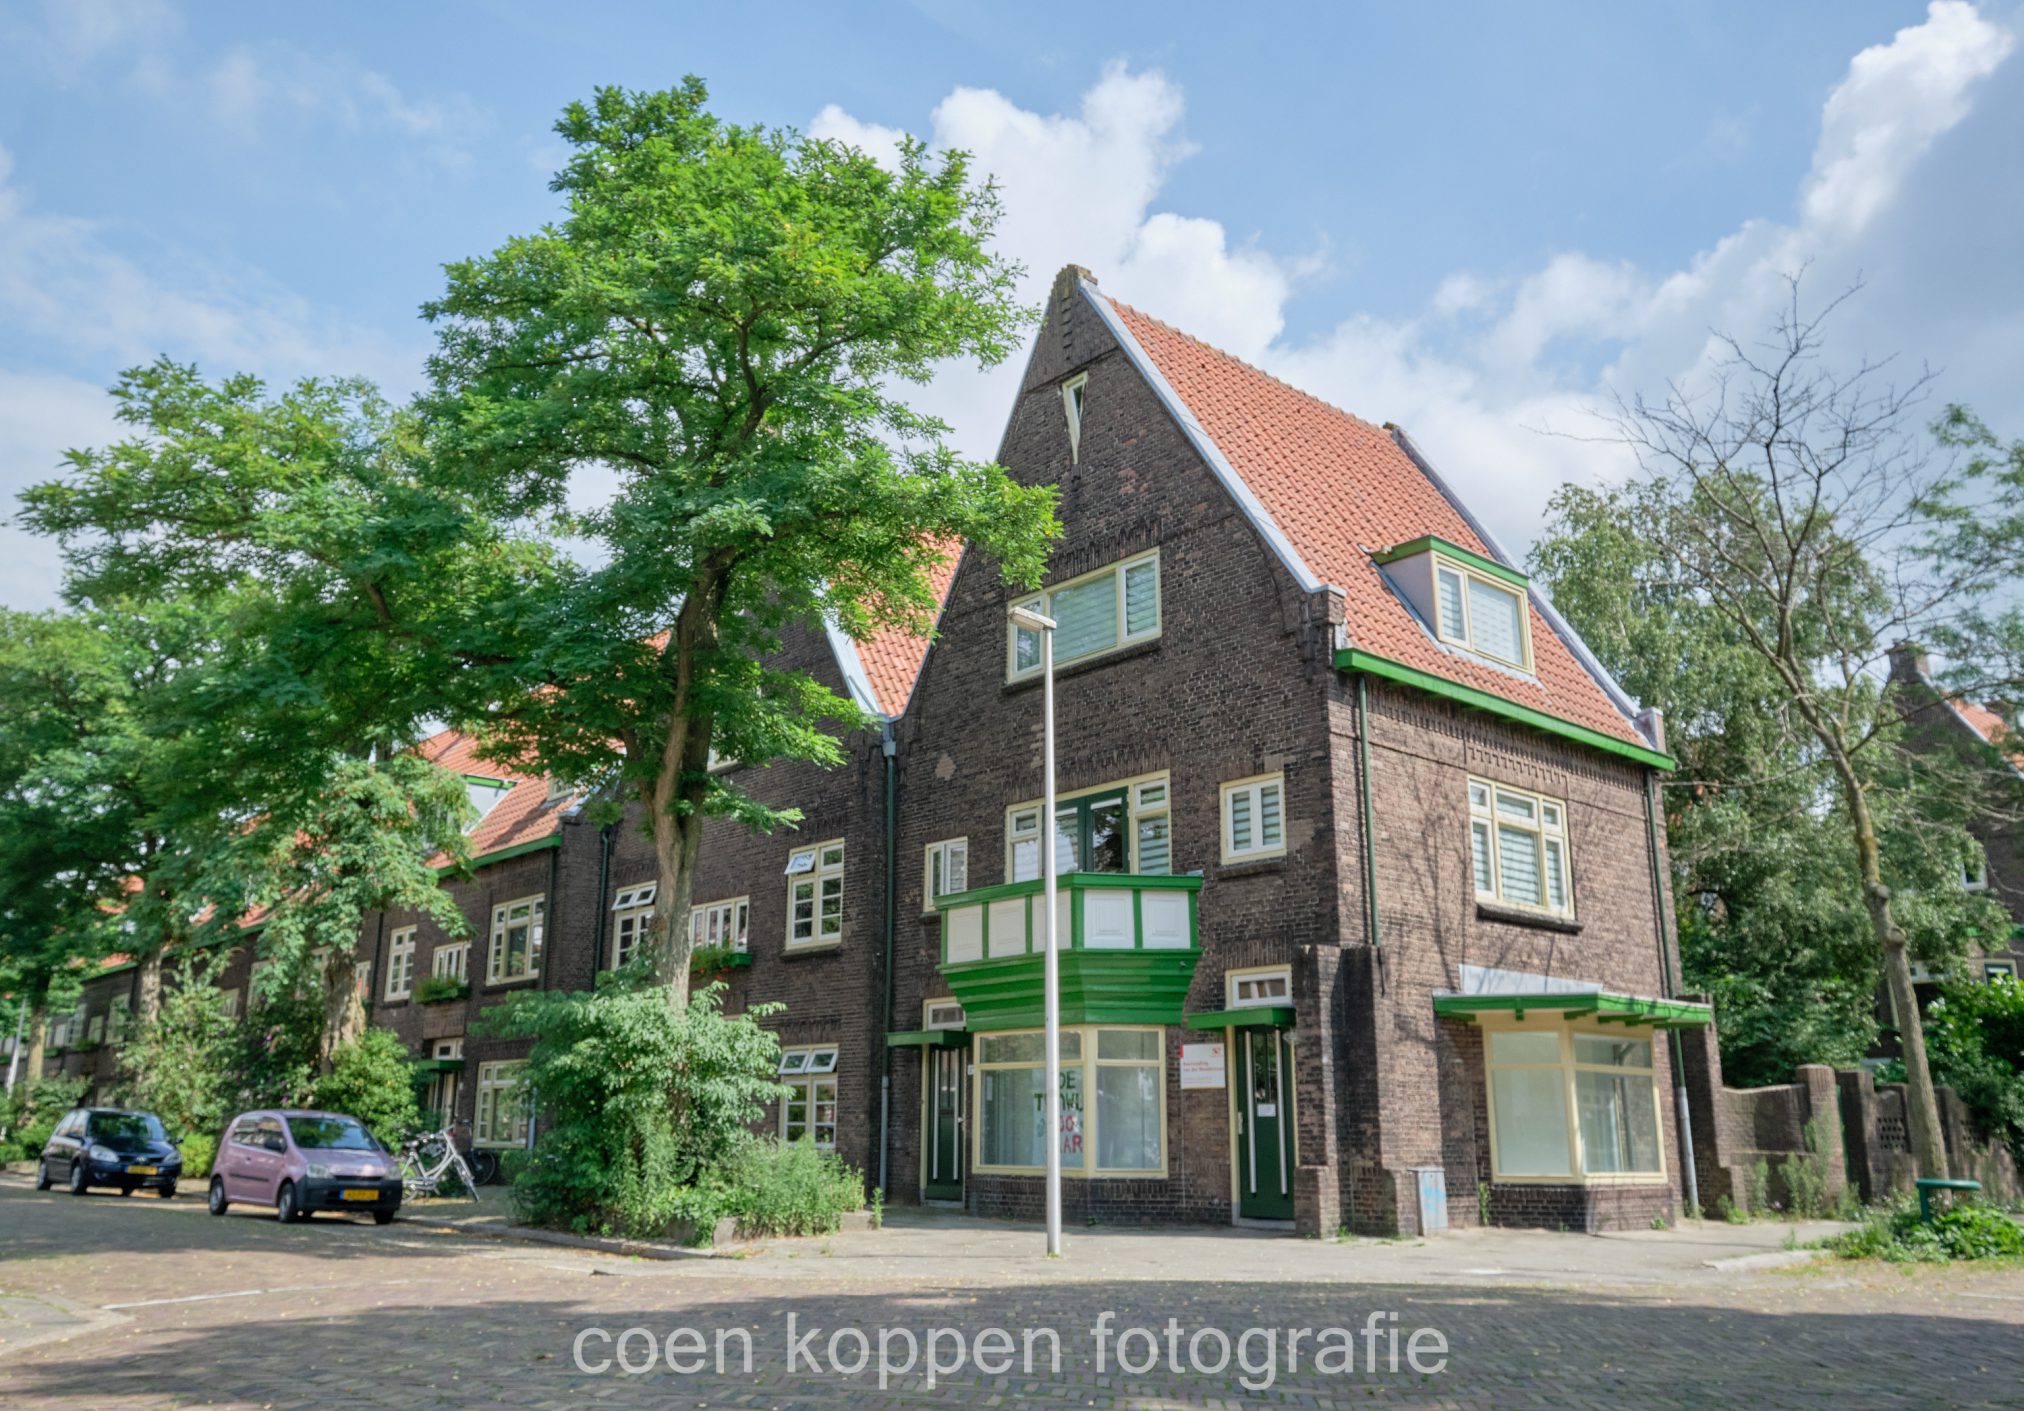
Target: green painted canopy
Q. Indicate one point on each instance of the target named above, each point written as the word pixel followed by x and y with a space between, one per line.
pixel 1257 1016
pixel 1600 1005
pixel 929 1038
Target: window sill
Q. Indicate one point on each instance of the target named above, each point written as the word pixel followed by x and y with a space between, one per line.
pixel 1596 1182
pixel 811 948
pixel 1518 916
pixel 514 983
pixel 1130 651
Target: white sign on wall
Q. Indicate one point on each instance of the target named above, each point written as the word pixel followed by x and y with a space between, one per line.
pixel 1201 1066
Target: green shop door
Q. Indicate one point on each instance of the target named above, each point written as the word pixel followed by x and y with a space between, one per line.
pixel 945 1123
pixel 1264 1125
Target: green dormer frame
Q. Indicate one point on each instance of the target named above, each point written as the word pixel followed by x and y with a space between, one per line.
pixel 1469 558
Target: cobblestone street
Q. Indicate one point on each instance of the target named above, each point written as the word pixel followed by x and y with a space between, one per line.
pixel 127 1303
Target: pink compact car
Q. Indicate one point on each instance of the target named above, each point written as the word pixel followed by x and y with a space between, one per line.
pixel 302 1162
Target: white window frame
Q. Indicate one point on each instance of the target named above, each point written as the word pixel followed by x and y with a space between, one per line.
pixel 731 917
pixel 401 962
pixel 1568 1066
pixel 452 961
pixel 1148 797
pixel 1549 824
pixel 1272 987
pixel 1253 790
pixel 948 858
pixel 1993 968
pixel 1462 634
pixel 1075 396
pixel 503 921
pixel 819 870
pixel 1975 876
pixel 228 1001
pixel 1085 1067
pixel 807 1072
pixel 631 912
pixel 1043 602
pixel 500 1081
pixel 944 1014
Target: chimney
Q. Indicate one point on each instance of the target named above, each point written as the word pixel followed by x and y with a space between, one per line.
pixel 1909 664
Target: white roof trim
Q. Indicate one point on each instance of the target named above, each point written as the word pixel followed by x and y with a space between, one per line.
pixel 852 666
pixel 1562 629
pixel 1212 456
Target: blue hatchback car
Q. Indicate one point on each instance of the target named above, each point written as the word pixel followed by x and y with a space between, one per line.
pixel 110 1146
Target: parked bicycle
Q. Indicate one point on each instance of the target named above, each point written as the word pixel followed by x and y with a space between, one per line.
pixel 429 1160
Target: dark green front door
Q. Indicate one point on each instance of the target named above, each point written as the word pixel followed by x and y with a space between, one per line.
pixel 1264 1126
pixel 944 1127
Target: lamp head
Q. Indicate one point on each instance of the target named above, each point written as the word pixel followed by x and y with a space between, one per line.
pixel 1032 621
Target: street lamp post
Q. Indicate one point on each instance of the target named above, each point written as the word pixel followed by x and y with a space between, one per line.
pixel 1043 627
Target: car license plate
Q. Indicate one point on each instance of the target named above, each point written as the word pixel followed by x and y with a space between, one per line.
pixel 361 1195
pixel 144 1170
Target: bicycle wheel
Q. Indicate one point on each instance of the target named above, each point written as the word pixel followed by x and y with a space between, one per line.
pixel 484 1165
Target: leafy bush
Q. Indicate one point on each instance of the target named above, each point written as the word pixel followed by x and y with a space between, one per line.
pixel 1966 1231
pixel 373 1080
pixel 641 1103
pixel 1975 1040
pixel 433 989
pixel 790 1188
pixel 200 1150
pixel 182 1065
pixel 35 1109
pixel 10 1153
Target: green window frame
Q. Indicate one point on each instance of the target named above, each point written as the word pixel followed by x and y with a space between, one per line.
pixel 1122 828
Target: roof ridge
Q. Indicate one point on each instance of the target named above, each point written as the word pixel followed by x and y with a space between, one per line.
pixel 1244 363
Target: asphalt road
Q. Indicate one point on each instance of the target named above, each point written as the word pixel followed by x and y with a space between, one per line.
pixel 110 1302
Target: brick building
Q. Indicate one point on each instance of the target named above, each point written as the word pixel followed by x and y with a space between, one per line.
pixel 1941 720
pixel 1366 891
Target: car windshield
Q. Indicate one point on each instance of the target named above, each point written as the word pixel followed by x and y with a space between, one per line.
pixel 330 1134
pixel 127 1127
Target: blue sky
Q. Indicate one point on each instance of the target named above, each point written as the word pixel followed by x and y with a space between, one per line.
pixel 1476 222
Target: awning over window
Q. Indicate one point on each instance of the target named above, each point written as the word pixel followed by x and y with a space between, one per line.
pixel 1252 1016
pixel 929 1038
pixel 1599 1005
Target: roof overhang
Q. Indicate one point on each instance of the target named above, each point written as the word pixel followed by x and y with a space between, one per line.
pixel 1255 1016
pixel 1355 659
pixel 1604 1007
pixel 929 1038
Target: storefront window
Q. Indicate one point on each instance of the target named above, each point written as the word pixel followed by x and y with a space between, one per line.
pixel 1540 1079
pixel 1126 1070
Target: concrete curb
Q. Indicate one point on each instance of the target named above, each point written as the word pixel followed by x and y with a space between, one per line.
pixel 1771 1259
pixel 632 1249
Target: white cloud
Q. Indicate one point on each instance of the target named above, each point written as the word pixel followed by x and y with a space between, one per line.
pixel 1491 362
pixel 41 417
pixel 253 85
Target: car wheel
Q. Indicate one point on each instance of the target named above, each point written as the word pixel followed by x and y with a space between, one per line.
pixel 219 1205
pixel 126 1190
pixel 42 1181
pixel 78 1184
pixel 383 1217
pixel 167 1192
pixel 285 1208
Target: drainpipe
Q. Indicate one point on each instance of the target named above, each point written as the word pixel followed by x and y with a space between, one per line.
pixel 1686 1119
pixel 889 747
pixel 604 837
pixel 1369 823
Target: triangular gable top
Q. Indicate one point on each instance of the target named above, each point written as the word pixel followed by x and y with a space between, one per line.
pixel 1328 491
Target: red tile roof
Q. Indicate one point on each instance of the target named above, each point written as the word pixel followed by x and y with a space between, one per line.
pixel 1992 727
pixel 1340 489
pixel 893 656
pixel 525 815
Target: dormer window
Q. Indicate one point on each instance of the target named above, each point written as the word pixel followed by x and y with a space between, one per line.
pixel 484 794
pixel 1470 602
pixel 1071 404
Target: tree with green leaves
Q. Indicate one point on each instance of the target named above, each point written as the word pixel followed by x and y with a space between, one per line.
pixel 1803 513
pixel 722 323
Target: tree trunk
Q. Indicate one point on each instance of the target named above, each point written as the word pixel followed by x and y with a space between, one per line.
pixel 1922 1105
pixel 343 1008
pixel 35 1050
pixel 680 786
pixel 150 977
